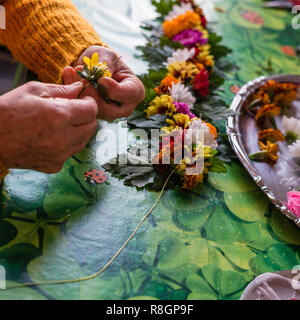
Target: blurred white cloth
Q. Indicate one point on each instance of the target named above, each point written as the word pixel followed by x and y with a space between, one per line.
pixel 118 23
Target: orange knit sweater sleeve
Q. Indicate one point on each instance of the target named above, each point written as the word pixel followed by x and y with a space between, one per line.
pixel 46 35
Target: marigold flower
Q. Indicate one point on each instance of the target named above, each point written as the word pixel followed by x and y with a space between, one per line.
pixel 191 181
pixel 269 110
pixel 161 105
pixel 284 99
pixel 271 135
pixel 262 97
pixel 184 71
pixel 183 22
pixel 212 129
pixel 166 84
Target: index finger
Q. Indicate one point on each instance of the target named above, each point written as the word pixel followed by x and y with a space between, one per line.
pixel 81 111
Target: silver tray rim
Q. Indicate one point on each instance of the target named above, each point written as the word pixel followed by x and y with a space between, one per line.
pixel 237 144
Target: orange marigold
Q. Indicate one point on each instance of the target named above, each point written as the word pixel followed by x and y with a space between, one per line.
pixel 270 135
pixel 269 110
pixel 212 129
pixel 165 84
pixel 183 22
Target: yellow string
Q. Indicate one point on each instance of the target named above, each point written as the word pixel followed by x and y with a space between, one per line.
pixel 109 263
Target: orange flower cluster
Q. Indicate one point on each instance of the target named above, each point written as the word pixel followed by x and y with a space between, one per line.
pixel 271 100
pixel 186 21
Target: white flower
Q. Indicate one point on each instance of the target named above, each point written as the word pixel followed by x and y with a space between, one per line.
pixel 181 55
pixel 291 125
pixel 194 132
pixel 289 173
pixel 294 149
pixel 177 10
pixel 180 93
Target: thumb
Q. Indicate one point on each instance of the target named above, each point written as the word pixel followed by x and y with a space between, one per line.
pixel 71 91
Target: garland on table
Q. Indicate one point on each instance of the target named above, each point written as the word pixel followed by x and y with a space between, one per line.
pixel 186 69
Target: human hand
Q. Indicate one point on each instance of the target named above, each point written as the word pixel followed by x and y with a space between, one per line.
pixel 42 125
pixel 124 86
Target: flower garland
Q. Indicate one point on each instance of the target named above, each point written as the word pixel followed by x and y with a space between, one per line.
pixel 181 78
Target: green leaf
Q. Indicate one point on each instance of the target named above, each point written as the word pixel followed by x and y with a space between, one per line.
pixel 138 120
pixel 217 165
pixel 25 189
pixel 224 282
pixel 7 232
pixel 200 288
pixel 250 206
pixel 220 228
pixel 62 204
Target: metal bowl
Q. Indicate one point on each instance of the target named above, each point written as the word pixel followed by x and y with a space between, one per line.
pixel 242 131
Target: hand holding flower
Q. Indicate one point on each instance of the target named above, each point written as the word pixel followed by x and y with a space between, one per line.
pixel 123 86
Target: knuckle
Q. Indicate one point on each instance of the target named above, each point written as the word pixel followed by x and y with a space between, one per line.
pixel 32 87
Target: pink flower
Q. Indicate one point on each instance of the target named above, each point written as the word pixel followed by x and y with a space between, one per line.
pixel 190 38
pixel 294 202
pixel 184 108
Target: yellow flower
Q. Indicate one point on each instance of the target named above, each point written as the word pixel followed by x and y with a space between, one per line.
pixel 191 181
pixel 161 105
pixel 271 150
pixel 94 65
pixel 179 120
pixel 182 70
pixel 205 57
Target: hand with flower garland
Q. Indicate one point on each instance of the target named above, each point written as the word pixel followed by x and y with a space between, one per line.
pixel 123 85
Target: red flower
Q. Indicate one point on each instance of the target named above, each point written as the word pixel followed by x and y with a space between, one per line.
pixel 201 83
pixel 203 22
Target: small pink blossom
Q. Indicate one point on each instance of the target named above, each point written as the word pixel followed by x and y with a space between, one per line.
pixel 294 202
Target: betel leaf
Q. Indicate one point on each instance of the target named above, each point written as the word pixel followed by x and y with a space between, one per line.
pixel 153 78
pixel 217 49
pixel 213 109
pixel 155 55
pixel 217 165
pixel 138 120
pixel 163 6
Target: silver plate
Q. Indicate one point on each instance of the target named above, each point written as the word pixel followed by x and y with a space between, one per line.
pixel 243 132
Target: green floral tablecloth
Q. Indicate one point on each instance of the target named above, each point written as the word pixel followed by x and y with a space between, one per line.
pixel 205 244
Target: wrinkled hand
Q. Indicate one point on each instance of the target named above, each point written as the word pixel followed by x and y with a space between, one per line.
pixel 42 125
pixel 124 86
